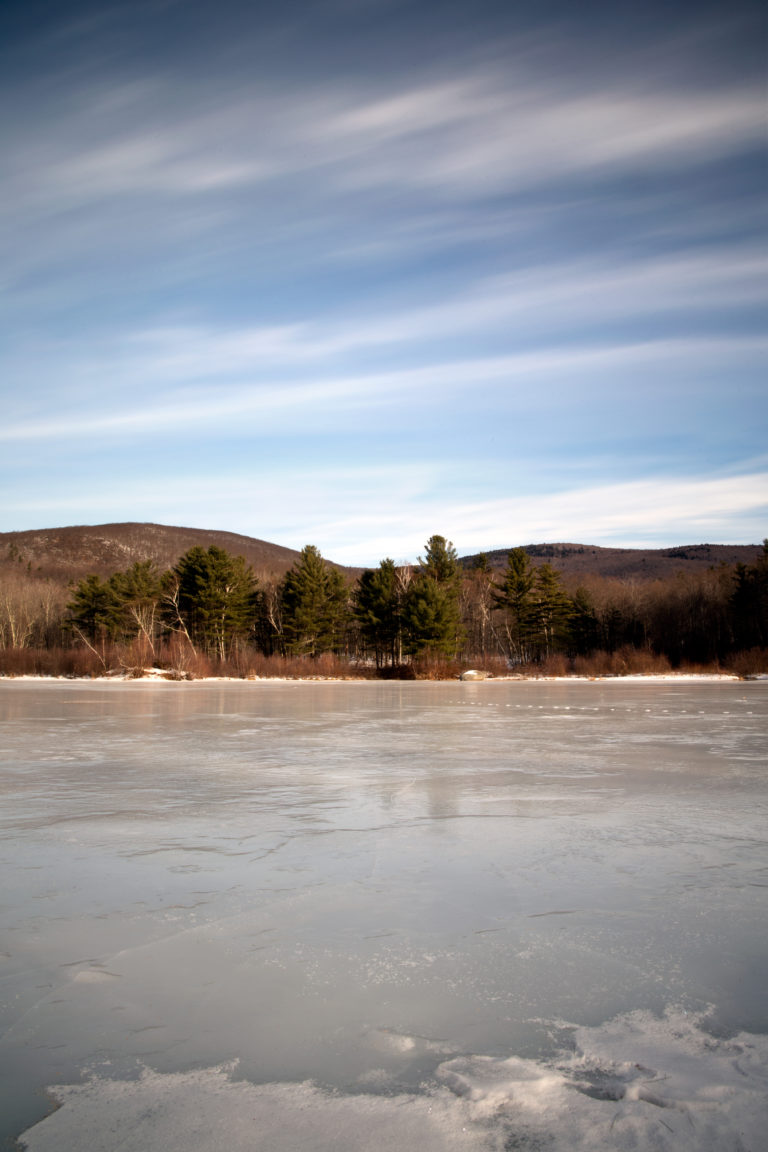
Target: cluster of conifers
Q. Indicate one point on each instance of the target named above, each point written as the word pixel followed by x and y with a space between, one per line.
pixel 211 602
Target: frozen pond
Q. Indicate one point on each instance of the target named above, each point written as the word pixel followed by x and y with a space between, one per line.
pixel 273 916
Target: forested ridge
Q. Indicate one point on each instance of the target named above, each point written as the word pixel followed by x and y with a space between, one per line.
pixel 210 613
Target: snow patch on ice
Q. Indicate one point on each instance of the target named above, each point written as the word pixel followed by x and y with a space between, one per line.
pixel 201 1110
pixel 638 1082
pixel 94 976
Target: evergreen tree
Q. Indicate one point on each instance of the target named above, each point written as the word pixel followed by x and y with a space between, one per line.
pixel 431 615
pixel 211 597
pixel 137 594
pixel 378 606
pixel 515 597
pixel 138 584
pixel 552 610
pixel 94 609
pixel 431 618
pixel 440 562
pixel 313 604
pixel 337 611
pixel 584 625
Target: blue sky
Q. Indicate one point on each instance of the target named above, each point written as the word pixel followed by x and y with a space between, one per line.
pixel 354 272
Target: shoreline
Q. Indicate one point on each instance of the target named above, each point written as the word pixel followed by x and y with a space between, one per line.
pixel 158 676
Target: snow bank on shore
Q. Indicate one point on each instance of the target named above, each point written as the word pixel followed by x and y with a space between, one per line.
pixel 163 675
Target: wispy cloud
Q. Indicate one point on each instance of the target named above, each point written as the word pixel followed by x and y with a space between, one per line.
pixel 293 405
pixel 558 315
pixel 640 513
pixel 498 275
pixel 478 132
pixel 485 133
pixel 360 515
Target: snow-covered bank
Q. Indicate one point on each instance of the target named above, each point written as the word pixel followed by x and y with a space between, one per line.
pixel 639 677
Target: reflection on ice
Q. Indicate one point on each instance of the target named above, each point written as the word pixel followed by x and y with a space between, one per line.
pixel 376 899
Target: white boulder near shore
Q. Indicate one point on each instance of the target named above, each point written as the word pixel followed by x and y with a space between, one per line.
pixel 474 674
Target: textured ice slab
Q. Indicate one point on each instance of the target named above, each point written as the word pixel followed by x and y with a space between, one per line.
pixel 382 901
pixel 638 1083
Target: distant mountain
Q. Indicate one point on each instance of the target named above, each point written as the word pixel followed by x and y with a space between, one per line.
pixel 71 553
pixel 64 554
pixel 579 560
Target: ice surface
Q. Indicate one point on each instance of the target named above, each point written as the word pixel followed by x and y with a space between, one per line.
pixel 441 915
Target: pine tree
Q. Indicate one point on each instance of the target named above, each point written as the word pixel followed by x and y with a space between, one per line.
pixel 440 562
pixel 94 610
pixel 432 619
pixel 137 584
pixel 337 611
pixel 584 625
pixel 431 615
pixel 552 611
pixel 137 593
pixel 515 598
pixel 313 603
pixel 378 606
pixel 211 597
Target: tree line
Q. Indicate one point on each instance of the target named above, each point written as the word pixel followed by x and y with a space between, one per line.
pixel 211 604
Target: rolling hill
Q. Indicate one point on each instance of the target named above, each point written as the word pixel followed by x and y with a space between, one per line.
pixel 73 552
pixel 577 560
pixel 64 554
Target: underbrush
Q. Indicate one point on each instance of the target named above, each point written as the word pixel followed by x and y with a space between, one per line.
pixel 624 661
pixel 177 660
pixel 69 662
pixel 430 666
pixel 250 665
pixel 181 663
pixel 753 662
